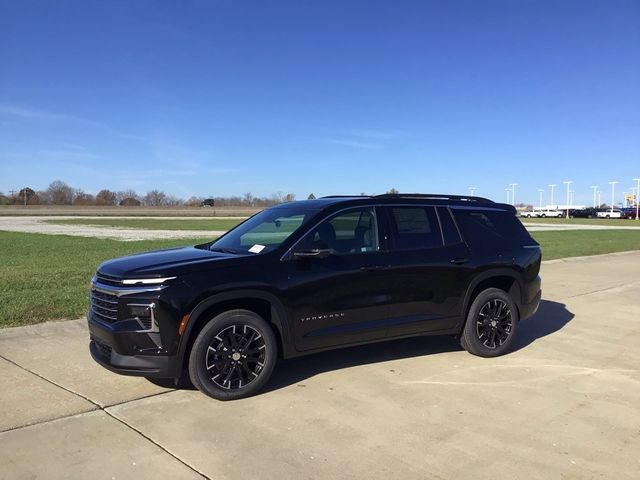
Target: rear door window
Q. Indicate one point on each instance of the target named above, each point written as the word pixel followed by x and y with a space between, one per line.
pixel 413 228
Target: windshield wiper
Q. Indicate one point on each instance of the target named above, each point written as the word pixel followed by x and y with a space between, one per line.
pixel 223 250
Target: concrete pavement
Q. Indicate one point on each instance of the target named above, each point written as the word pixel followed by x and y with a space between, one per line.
pixel 563 404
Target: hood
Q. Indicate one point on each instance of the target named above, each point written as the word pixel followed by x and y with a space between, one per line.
pixel 162 263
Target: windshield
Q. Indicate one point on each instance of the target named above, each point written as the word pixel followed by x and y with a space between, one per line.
pixel 265 231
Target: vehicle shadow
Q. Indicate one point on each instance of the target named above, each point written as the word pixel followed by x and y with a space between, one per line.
pixel 550 317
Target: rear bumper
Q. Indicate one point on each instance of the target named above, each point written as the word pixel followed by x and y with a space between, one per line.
pixel 115 350
pixel 528 309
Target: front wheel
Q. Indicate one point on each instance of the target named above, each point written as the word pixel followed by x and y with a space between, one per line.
pixel 491 324
pixel 233 355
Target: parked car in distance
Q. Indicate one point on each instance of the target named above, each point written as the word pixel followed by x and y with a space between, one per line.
pixel 207 202
pixel 303 277
pixel 615 213
pixel 629 213
pixel 543 213
pixel 583 213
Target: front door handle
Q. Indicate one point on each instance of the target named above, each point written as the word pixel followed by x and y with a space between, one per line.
pixel 459 260
pixel 371 268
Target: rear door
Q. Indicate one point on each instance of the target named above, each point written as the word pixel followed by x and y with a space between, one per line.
pixel 426 269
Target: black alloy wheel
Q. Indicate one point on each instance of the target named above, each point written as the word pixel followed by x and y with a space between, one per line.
pixel 233 356
pixel 236 356
pixel 492 322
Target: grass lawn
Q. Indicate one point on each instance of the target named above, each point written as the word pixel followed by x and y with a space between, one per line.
pixel 46 277
pixel 203 224
pixel 609 222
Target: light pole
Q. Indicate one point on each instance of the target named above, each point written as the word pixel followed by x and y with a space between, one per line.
pixel 613 191
pixel 595 189
pixel 599 198
pixel 637 198
pixel 552 186
pixel 508 190
pixel 472 190
pixel 541 191
pixel 513 193
pixel 568 184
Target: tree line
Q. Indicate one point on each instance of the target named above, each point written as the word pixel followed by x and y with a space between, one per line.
pixel 60 193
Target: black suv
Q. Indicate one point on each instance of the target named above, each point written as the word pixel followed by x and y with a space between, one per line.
pixel 308 276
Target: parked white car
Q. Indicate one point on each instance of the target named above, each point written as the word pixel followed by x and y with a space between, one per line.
pixel 543 213
pixel 616 213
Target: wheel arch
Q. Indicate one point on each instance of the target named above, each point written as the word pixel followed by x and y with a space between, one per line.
pixel 504 279
pixel 265 304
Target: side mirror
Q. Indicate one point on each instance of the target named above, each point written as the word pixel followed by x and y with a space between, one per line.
pixel 315 253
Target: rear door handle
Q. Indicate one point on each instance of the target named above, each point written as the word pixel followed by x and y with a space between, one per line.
pixel 459 260
pixel 371 268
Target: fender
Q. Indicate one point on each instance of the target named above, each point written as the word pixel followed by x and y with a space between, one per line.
pixel 278 317
pixel 515 291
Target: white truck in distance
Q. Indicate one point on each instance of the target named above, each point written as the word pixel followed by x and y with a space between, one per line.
pixel 616 213
pixel 543 213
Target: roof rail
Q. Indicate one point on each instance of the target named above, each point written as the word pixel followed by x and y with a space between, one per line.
pixel 436 196
pixel 346 196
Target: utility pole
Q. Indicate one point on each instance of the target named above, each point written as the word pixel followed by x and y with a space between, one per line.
pixel 472 190
pixel 25 196
pixel 599 197
pixel 568 184
pixel 507 190
pixel 513 193
pixel 541 191
pixel 613 190
pixel 595 189
pixel 637 197
pixel 552 186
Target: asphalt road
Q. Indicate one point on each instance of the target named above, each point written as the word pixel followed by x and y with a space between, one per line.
pixel 563 405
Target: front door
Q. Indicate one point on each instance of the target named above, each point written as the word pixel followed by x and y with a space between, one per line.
pixel 342 296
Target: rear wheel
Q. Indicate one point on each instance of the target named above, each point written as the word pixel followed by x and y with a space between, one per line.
pixel 233 356
pixel 491 324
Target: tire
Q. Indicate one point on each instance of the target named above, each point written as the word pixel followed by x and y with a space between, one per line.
pixel 220 364
pixel 544 215
pixel 476 337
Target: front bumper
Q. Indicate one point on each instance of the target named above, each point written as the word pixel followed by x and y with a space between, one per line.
pixel 120 351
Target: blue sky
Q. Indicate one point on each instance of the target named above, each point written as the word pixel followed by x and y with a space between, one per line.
pixel 226 97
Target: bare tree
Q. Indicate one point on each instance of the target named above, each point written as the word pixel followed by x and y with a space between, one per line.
pixel 155 198
pixel 106 197
pixel 124 194
pixel 247 199
pixel 82 198
pixel 289 197
pixel 60 192
pixel 393 191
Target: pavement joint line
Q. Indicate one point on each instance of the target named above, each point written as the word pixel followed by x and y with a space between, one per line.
pixel 98 407
pixel 193 469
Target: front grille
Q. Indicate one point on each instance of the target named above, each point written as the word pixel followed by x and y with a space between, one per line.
pixel 104 306
pixel 103 349
pixel 108 280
